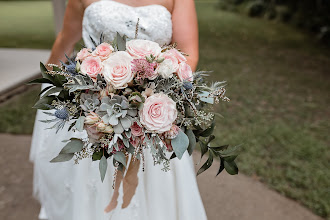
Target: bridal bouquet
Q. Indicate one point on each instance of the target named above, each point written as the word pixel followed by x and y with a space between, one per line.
pixel 129 97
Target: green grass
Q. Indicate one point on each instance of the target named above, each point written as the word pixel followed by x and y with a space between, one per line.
pixel 278 80
pixel 26 24
pixel 17 116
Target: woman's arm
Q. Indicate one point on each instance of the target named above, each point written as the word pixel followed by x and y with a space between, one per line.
pixel 185 30
pixel 70 33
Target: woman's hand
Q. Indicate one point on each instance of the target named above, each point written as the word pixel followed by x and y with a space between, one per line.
pixel 185 29
pixel 70 33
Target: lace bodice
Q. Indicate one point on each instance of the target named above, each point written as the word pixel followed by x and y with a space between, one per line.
pixel 109 17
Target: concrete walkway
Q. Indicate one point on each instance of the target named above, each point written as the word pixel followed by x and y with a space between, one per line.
pixel 225 197
pixel 19 66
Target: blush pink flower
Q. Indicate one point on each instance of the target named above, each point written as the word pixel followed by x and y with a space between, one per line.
pixel 117 69
pixel 136 130
pixel 135 141
pixel 143 69
pixel 93 134
pixel 91 66
pixel 142 48
pixel 172 133
pixel 184 72
pixel 103 51
pixel 83 54
pixel 158 113
pixel 175 56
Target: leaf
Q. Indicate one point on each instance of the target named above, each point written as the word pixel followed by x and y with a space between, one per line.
pixel 121 42
pixel 52 91
pixel 75 145
pixel 192 141
pixel 120 157
pixel 206 165
pixel 204 97
pixel 230 158
pixel 180 144
pixel 222 166
pixel 231 167
pixel 45 89
pixel 97 155
pixel 103 165
pixel 203 147
pixel 62 158
pixel 44 73
pixel 208 131
pixel 40 80
pixel 44 103
pixel 80 123
pixel 220 148
pixel 211 138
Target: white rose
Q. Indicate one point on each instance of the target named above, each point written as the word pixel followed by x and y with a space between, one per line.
pixel 166 69
pixel 117 69
pixel 142 48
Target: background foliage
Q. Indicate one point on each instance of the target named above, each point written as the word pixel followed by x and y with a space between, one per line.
pixel 311 15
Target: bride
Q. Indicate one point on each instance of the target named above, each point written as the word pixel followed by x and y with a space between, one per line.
pixel 75 192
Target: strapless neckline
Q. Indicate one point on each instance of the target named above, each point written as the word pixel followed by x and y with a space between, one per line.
pixel 129 6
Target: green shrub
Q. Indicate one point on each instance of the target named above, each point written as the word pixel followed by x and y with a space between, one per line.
pixel 256 8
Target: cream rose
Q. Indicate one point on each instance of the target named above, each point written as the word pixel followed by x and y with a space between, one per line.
pixel 103 51
pixel 158 113
pixel 117 69
pixel 91 66
pixel 83 54
pixel 142 48
pixel 166 69
pixel 184 72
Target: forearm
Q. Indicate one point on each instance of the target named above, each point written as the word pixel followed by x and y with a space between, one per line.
pixel 60 48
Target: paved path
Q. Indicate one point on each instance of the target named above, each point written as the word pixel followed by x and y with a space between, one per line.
pixel 225 197
pixel 19 66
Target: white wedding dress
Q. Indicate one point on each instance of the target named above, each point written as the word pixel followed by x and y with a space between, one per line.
pixel 75 192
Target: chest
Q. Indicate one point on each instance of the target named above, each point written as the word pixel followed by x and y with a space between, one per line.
pixel 168 4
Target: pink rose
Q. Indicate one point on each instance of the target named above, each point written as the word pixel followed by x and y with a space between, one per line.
pixel 185 72
pixel 175 56
pixel 117 69
pixel 136 130
pixel 103 51
pixel 93 134
pixel 142 48
pixel 91 66
pixel 158 113
pixel 83 54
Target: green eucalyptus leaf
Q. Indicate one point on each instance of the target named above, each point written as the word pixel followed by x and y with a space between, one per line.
pixel 43 103
pixel 39 81
pixel 192 141
pixel 231 167
pixel 121 42
pixel 62 158
pixel 97 155
pixel 230 158
pixel 204 148
pixel 45 89
pixel 220 148
pixel 206 165
pixel 208 131
pixel 103 165
pixel 75 145
pixel 80 123
pixel 204 97
pixel 180 144
pixel 120 157
pixel 222 166
pixel 44 73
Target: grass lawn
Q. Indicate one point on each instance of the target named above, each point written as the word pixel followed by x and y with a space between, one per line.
pixel 278 80
pixel 26 24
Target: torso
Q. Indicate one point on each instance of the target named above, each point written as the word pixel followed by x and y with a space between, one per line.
pixel 169 4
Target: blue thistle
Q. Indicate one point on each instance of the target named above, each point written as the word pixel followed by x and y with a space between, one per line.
pixel 62 114
pixel 187 85
pixel 71 66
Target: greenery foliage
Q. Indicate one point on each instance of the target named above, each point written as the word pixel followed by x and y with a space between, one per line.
pixel 310 15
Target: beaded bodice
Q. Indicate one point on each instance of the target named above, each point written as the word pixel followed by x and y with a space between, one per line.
pixel 108 17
